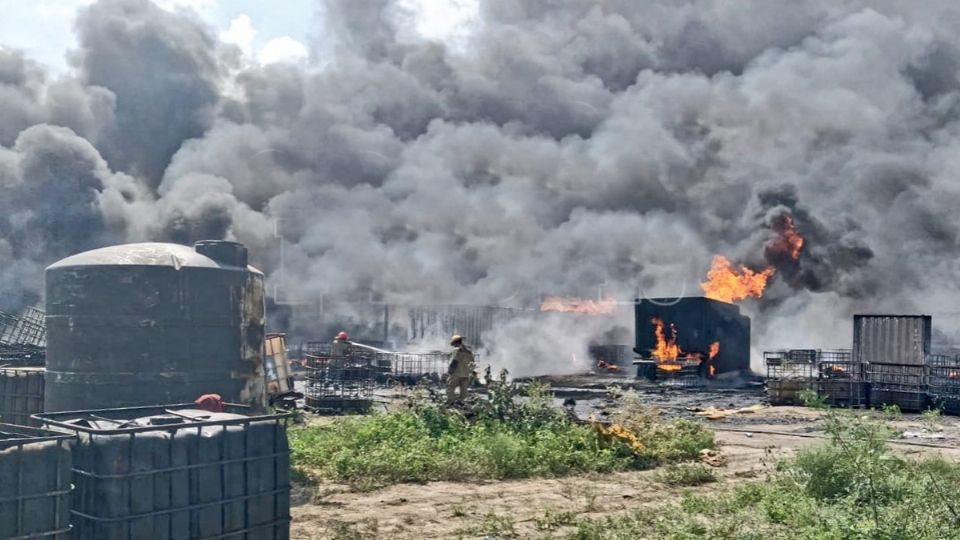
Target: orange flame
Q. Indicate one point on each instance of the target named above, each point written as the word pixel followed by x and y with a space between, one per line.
pixel 667 352
pixel 714 349
pixel 667 349
pixel 608 367
pixel 579 305
pixel 725 284
pixel 790 241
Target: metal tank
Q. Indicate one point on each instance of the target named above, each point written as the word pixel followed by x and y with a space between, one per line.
pixel 153 323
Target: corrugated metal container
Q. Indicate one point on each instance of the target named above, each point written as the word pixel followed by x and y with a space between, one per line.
pixel 699 322
pixel 178 472
pixel 144 324
pixel 34 483
pixel 892 339
pixel 21 395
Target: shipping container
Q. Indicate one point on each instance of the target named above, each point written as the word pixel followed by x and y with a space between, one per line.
pixel 892 339
pixel 21 395
pixel 178 472
pixel 699 322
pixel 34 483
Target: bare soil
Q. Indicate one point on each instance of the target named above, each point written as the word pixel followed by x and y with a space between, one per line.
pixel 749 443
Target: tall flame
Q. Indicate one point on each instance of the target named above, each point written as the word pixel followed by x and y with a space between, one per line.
pixel 714 351
pixel 726 284
pixel 667 350
pixel 579 305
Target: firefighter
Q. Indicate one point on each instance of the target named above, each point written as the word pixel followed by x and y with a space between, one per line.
pixel 460 371
pixel 341 345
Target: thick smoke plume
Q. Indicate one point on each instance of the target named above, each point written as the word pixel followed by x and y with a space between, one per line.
pixel 561 148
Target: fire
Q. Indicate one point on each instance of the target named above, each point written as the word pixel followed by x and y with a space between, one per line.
pixel 667 350
pixel 579 305
pixel 790 241
pixel 953 374
pixel 608 367
pixel 714 351
pixel 725 284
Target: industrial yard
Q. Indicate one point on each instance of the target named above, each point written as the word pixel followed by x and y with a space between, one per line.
pixel 479 269
pixel 273 440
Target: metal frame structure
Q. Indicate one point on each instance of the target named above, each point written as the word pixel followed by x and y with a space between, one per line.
pixel 339 384
pixel 20 438
pixel 902 385
pixel 28 330
pixel 840 379
pixel 943 382
pixel 21 395
pixel 90 521
pixel 789 374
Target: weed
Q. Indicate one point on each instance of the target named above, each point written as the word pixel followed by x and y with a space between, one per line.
pixel 685 475
pixel 458 510
pixel 553 520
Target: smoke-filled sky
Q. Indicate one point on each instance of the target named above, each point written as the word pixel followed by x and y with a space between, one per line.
pixel 544 147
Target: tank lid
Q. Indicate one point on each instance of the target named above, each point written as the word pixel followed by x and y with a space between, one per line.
pixel 223 251
pixel 142 254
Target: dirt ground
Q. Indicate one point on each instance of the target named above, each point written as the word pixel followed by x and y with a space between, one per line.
pixel 750 444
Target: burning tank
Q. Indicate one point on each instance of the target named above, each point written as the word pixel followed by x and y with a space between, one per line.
pixel 154 323
pixel 697 334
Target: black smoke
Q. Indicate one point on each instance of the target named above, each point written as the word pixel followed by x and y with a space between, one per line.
pixel 559 148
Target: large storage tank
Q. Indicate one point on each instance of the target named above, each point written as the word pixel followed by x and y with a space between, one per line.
pixel 151 323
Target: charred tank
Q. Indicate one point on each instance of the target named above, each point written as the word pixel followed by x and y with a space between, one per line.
pixel 153 323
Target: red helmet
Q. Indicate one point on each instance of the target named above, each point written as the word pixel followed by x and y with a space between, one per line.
pixel 343 336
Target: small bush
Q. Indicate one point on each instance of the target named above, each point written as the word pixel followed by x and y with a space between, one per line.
pixel 686 475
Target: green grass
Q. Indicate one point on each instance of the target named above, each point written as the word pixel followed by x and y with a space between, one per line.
pixel 499 438
pixel 853 488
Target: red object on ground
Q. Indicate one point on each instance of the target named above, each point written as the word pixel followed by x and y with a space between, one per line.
pixel 210 403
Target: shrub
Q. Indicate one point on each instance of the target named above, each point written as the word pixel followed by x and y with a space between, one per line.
pixel 499 437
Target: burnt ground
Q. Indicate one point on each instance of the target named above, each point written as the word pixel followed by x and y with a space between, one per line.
pixel 750 443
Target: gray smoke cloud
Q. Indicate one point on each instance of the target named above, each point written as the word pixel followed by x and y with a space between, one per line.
pixel 562 148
